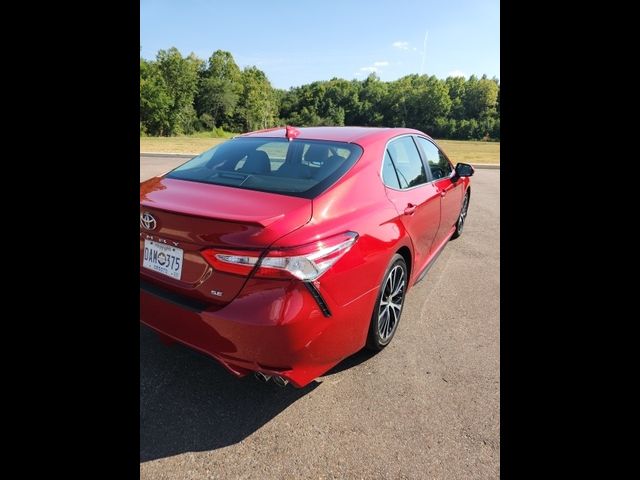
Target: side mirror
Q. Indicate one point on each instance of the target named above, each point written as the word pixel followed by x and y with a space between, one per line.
pixel 463 170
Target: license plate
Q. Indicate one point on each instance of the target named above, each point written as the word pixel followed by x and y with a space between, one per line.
pixel 163 259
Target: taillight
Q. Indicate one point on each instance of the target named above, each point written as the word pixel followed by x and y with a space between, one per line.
pixel 307 262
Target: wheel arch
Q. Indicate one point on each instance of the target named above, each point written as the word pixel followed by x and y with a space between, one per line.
pixel 405 253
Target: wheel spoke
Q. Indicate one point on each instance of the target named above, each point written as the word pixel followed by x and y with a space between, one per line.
pixel 383 330
pixel 395 306
pixel 397 290
pixel 394 317
pixel 397 275
pixel 383 325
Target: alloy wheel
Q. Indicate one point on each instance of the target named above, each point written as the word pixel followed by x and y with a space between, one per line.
pixel 463 214
pixel 391 302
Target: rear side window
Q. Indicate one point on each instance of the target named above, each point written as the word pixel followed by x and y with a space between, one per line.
pixel 438 163
pixel 389 175
pixel 404 155
pixel 302 168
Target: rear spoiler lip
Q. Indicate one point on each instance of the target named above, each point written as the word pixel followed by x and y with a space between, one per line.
pixel 243 219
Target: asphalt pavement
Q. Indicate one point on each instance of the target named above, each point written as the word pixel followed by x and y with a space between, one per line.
pixel 426 407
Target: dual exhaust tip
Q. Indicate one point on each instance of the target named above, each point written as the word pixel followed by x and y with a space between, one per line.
pixel 278 380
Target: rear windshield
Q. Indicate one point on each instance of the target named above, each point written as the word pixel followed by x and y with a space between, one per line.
pixel 301 168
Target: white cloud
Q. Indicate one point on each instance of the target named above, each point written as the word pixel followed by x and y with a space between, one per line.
pixel 375 67
pixel 456 73
pixel 401 45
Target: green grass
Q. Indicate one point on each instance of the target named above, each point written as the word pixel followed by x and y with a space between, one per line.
pixel 469 151
pixel 456 150
pixel 217 133
pixel 178 144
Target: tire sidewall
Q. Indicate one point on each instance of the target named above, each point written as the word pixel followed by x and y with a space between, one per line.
pixel 458 231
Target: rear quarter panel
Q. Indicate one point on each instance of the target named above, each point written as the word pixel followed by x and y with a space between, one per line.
pixel 358 203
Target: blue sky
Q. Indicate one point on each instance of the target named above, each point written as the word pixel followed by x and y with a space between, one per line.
pixel 298 42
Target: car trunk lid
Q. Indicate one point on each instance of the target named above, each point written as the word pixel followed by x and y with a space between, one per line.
pixel 192 216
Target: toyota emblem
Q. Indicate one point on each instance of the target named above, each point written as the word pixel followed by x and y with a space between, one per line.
pixel 147 221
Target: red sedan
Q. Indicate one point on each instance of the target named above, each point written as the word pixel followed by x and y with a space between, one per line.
pixel 282 252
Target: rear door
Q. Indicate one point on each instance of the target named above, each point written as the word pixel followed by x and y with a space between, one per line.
pixel 416 200
pixel 450 192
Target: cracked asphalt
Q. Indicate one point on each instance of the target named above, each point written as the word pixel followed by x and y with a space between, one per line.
pixel 428 406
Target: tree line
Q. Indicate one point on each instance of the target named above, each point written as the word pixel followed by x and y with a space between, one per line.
pixel 183 95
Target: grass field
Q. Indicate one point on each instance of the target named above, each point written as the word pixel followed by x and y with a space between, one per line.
pixel 457 150
pixel 471 151
pixel 177 144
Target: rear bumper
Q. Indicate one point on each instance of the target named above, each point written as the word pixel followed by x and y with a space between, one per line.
pixel 276 328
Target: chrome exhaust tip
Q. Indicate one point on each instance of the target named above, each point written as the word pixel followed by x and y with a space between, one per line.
pixel 281 382
pixel 262 377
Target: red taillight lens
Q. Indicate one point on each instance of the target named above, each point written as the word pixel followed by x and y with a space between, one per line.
pixel 232 261
pixel 307 262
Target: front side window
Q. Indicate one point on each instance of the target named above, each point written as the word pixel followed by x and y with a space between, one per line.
pixel 406 159
pixel 302 168
pixel 438 163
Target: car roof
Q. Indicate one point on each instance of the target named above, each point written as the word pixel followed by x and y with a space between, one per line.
pixel 359 135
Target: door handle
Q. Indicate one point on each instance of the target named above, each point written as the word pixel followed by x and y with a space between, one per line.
pixel 410 210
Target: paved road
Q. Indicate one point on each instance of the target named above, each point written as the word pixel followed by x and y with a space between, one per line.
pixel 152 166
pixel 425 407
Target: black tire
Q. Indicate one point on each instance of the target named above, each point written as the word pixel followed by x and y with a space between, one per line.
pixel 388 309
pixel 461 217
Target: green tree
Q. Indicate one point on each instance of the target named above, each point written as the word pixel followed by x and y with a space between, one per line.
pixel 155 101
pixel 395 105
pixel 372 95
pixel 467 129
pixel 457 87
pixel 307 117
pixel 480 97
pixel 220 87
pixel 333 102
pixel 257 105
pixel 180 76
pixel 417 101
pixel 495 133
pixel 182 94
pixel 341 101
pixel 432 103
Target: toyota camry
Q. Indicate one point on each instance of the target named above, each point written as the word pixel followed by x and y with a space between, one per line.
pixel 281 252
